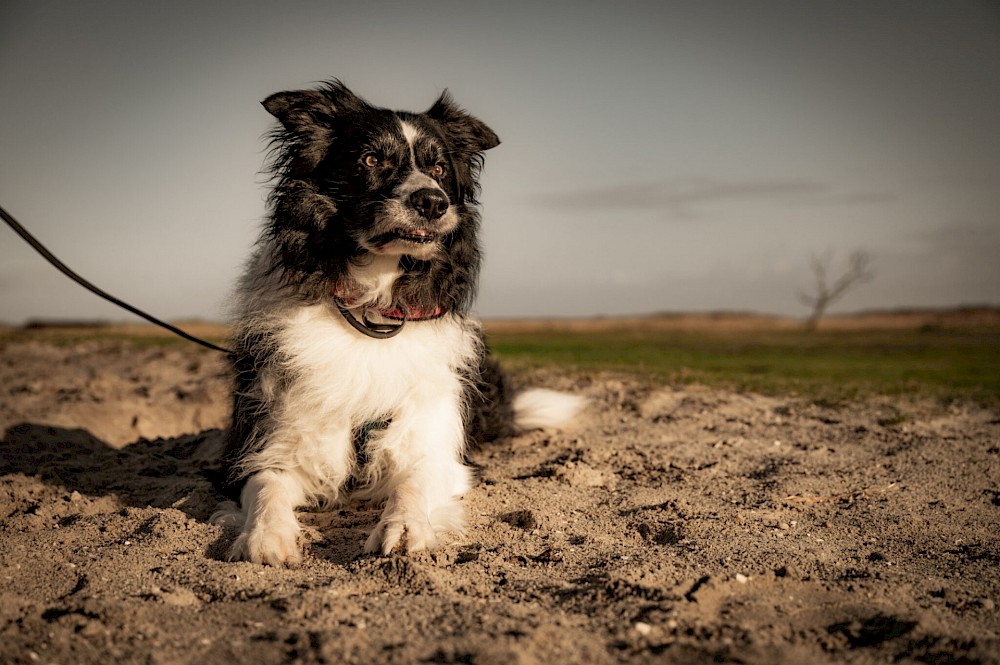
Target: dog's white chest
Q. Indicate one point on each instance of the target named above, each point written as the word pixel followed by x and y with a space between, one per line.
pixel 336 369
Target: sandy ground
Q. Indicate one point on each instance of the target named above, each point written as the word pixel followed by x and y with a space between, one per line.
pixel 675 525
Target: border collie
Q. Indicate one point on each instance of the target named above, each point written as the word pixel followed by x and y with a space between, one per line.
pixel 358 371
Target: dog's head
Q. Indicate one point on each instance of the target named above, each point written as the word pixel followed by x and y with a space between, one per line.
pixel 355 178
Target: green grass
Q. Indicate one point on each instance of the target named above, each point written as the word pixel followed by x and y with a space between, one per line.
pixel 154 338
pixel 946 364
pixel 824 366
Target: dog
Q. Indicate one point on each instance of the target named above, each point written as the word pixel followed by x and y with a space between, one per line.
pixel 359 373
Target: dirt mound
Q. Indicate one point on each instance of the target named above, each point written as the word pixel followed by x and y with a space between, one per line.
pixel 675 525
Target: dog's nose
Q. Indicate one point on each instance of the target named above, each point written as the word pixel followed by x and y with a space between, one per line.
pixel 431 203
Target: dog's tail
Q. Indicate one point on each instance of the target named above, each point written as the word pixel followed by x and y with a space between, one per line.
pixel 539 408
pixel 497 410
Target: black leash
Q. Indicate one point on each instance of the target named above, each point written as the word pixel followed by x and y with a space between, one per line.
pixel 64 269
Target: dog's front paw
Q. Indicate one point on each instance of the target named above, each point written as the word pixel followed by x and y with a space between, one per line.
pixel 273 546
pixel 417 530
pixel 419 535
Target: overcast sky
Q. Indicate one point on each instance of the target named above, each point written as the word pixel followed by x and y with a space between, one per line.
pixel 659 156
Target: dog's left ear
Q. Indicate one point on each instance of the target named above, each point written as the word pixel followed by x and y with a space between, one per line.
pixel 469 134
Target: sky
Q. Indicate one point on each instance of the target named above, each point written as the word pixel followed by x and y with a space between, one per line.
pixel 656 156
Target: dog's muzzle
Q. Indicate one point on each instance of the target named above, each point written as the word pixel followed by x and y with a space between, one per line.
pixel 412 223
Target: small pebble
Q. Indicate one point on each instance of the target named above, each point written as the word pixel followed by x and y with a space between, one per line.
pixel 91 629
pixel 741 578
pixel 783 526
pixel 642 628
pixel 788 570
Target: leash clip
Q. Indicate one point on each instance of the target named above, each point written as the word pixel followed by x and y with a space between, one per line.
pixel 370 328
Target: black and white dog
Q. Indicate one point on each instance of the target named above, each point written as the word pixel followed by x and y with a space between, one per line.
pixel 358 370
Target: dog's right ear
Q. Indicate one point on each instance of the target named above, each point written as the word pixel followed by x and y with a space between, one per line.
pixel 297 110
pixel 308 118
pixel 302 110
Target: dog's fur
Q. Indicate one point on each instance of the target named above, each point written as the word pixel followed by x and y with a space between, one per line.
pixel 373 211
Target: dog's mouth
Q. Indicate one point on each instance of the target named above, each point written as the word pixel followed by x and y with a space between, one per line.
pixel 419 236
pixel 411 236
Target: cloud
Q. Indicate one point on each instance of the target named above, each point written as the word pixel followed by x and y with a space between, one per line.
pixel 681 198
pixel 964 238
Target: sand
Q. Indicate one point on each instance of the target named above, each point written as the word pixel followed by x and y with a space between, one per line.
pixel 677 525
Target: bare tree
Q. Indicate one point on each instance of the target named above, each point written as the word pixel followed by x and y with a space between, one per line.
pixel 858 271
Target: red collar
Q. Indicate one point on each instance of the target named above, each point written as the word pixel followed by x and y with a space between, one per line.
pixel 347 294
pixel 411 313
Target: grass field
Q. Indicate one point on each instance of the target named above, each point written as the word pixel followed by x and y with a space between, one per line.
pixel 948 356
pixel 826 366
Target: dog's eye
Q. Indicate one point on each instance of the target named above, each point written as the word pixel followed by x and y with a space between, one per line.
pixel 437 170
pixel 371 161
